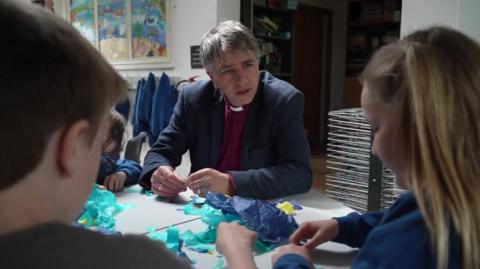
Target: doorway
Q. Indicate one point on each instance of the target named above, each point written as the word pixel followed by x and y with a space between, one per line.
pixel 311 69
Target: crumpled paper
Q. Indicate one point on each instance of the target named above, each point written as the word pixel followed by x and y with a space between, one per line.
pixel 272 225
pixel 100 210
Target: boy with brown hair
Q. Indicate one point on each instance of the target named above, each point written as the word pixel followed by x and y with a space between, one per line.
pixel 55 100
pixel 116 173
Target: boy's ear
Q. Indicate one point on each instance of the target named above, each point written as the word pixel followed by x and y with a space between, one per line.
pixel 72 145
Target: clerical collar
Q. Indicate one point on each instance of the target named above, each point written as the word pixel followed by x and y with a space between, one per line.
pixel 236 109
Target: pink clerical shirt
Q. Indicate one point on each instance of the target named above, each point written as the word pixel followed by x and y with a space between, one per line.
pixel 235 118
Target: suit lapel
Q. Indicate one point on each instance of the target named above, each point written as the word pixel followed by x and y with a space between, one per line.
pixel 253 116
pixel 217 122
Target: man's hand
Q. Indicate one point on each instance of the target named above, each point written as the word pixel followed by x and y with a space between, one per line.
pixel 166 183
pixel 209 179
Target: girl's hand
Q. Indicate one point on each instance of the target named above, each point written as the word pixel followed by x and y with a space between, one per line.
pixel 316 232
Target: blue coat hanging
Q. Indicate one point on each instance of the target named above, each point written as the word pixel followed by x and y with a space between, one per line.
pixel 123 108
pixel 145 105
pixel 158 103
pixel 136 108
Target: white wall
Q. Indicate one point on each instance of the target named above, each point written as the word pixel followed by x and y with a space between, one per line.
pixel 228 10
pixel 190 20
pixel 459 14
pixel 469 18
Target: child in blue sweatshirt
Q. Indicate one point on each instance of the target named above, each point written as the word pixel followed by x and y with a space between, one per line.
pixel 421 96
pixel 115 173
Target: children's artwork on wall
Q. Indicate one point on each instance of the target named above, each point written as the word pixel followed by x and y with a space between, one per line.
pixel 112 32
pixel 149 28
pixel 82 17
pixel 129 33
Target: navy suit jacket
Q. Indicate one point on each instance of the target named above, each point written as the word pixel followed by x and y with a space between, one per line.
pixel 275 156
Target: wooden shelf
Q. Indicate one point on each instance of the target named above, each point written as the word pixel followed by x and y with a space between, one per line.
pixel 371 25
pixel 273 27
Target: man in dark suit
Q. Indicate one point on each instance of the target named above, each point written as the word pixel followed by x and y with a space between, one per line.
pixel 243 128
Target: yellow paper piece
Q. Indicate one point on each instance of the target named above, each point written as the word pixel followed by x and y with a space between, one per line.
pixel 286 207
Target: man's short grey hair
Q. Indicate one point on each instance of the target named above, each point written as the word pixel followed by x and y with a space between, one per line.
pixel 227 35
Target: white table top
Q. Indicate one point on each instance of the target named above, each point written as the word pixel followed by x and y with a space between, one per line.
pixel 151 212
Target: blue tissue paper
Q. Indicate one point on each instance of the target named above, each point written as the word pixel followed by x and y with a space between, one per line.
pixel 272 225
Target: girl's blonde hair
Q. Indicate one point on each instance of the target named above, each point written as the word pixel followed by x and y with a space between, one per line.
pixel 433 77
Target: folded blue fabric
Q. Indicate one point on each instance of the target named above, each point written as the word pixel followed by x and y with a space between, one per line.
pixel 271 224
